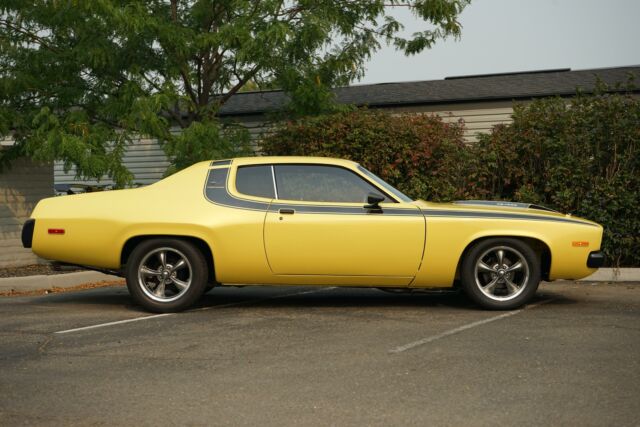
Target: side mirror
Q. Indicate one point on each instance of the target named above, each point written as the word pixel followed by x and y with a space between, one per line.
pixel 373 201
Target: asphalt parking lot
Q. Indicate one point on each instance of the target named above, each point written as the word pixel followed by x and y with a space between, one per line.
pixel 322 356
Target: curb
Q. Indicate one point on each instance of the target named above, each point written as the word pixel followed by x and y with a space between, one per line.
pixel 43 281
pixel 614 275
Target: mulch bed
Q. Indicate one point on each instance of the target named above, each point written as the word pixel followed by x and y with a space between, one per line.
pixel 36 269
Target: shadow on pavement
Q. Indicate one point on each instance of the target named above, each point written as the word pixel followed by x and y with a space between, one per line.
pixel 279 297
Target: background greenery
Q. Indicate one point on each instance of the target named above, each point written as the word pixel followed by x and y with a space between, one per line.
pixel 577 155
pixel 80 80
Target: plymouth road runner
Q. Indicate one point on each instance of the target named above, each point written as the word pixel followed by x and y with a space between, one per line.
pixel 308 221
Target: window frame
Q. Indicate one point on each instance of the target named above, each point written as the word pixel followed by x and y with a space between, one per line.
pixel 234 188
pixel 392 198
pixel 233 176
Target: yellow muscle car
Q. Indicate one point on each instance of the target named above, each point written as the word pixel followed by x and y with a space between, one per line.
pixel 308 221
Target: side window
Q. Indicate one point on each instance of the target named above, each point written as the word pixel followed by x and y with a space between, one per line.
pixel 255 181
pixel 317 183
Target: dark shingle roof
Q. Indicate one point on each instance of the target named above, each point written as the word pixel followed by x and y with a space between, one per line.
pixel 460 89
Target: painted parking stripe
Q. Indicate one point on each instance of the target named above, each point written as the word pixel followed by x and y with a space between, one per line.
pixel 118 322
pixel 462 328
pixel 156 316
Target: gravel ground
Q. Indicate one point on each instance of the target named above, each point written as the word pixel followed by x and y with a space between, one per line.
pixel 36 269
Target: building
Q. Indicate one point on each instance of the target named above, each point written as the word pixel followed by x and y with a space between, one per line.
pixel 21 187
pixel 482 101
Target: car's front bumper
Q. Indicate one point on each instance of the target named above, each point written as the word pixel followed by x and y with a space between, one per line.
pixel 595 259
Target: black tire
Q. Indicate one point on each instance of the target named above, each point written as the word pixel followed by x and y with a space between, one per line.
pixel 180 275
pixel 504 285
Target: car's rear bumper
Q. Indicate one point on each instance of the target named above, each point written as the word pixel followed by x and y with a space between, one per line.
pixel 27 233
pixel 595 259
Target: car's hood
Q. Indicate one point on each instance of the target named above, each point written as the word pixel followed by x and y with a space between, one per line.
pixel 497 209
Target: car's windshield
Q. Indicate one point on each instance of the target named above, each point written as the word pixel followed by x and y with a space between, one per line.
pixel 388 187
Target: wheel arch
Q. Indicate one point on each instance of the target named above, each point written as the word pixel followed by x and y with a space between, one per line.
pixel 538 245
pixel 199 243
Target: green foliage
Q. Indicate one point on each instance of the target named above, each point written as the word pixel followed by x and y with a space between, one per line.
pixel 420 154
pixel 207 140
pixel 80 80
pixel 580 156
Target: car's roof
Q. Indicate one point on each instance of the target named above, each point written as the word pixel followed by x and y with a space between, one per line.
pixel 241 161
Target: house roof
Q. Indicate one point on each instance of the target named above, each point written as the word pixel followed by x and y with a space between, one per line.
pixel 491 87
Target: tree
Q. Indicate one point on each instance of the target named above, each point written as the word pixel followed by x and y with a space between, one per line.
pixel 79 80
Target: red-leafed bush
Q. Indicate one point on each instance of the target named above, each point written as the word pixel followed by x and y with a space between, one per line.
pixel 578 155
pixel 420 154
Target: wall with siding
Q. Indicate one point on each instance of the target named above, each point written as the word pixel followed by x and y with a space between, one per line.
pixel 147 161
pixel 21 187
pixel 144 158
pixel 477 117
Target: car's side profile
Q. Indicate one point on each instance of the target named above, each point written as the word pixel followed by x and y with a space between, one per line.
pixel 311 221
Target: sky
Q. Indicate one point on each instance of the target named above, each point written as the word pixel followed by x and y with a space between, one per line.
pixel 501 36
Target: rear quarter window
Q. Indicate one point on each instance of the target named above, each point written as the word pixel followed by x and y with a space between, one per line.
pixel 255 181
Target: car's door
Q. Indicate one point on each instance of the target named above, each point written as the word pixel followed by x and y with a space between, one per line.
pixel 319 225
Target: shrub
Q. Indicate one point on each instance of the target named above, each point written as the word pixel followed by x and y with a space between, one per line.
pixel 420 154
pixel 580 156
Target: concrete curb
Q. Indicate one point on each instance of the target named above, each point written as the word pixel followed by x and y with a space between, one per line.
pixel 614 275
pixel 64 280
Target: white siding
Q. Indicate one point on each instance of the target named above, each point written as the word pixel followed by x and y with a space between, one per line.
pixel 477 117
pixel 21 187
pixel 478 121
pixel 257 127
pixel 144 158
pixel 147 161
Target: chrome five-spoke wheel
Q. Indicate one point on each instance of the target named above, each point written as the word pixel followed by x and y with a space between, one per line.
pixel 500 273
pixel 166 275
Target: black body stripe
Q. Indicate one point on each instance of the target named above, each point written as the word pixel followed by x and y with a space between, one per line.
pixel 216 192
pixel 497 215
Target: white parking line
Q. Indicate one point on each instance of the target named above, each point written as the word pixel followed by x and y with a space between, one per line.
pixel 118 322
pixel 155 316
pixel 432 338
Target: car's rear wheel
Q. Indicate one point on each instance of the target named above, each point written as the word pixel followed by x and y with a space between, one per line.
pixel 166 275
pixel 500 273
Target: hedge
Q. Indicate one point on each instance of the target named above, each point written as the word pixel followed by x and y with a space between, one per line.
pixel 579 155
pixel 420 155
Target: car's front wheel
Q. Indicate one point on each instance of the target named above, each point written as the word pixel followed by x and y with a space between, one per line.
pixel 500 273
pixel 166 275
